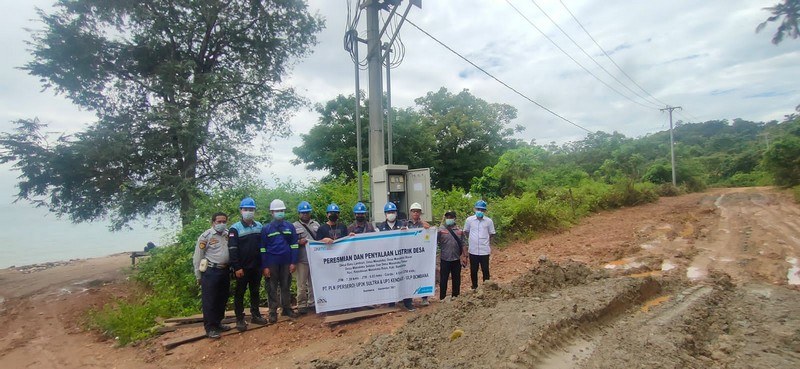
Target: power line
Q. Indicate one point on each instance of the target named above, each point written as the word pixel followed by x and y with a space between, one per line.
pixel 609 56
pixel 495 78
pixel 575 61
pixel 591 57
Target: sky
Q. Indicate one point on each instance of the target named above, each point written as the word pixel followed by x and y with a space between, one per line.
pixel 701 55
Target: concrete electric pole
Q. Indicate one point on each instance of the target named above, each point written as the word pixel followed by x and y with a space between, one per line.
pixel 672 141
pixel 377 53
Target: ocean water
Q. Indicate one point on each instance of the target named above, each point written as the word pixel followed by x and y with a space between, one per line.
pixel 33 235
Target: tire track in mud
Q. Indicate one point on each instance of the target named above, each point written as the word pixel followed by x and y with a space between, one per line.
pixel 516 326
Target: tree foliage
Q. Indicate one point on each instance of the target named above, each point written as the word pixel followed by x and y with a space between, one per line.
pixel 180 89
pixel 455 134
pixel 789 26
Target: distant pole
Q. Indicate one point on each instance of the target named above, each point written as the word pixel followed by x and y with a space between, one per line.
pixel 672 141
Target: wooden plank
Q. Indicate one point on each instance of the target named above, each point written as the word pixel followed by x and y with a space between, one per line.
pixel 338 318
pixel 199 336
pixel 172 327
pixel 199 317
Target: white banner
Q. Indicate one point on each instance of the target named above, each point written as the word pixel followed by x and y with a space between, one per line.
pixel 373 268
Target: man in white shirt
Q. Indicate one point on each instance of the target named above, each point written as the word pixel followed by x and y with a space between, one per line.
pixel 480 231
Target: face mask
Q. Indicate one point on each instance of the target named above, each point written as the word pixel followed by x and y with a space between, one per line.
pixel 220 227
pixel 248 215
pixel 279 215
pixel 479 214
pixel 333 217
pixel 361 218
pixel 391 217
pixel 450 222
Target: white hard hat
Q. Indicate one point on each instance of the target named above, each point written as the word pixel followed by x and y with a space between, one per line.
pixel 277 205
pixel 415 206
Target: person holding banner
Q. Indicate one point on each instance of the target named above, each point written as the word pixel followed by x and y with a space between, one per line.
pixel 306 229
pixel 417 222
pixel 479 230
pixel 332 230
pixel 390 224
pixel 453 255
pixel 361 225
pixel 279 252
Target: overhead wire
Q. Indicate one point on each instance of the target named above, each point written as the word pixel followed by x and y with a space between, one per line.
pixel 591 57
pixel 495 78
pixel 575 61
pixel 609 56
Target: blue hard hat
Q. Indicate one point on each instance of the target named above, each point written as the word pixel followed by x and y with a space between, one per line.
pixel 304 207
pixel 247 202
pixel 332 208
pixel 480 205
pixel 390 206
pixel 360 208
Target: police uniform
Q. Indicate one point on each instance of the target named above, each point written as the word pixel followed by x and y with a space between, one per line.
pixel 215 280
pixel 305 287
pixel 243 243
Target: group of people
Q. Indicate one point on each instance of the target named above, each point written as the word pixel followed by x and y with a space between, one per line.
pixel 277 249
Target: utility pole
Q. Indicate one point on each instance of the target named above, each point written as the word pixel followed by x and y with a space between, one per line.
pixel 671 140
pixel 374 61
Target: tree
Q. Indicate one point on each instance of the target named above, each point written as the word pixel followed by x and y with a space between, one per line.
pixel 790 26
pixel 456 135
pixel 180 89
pixel 470 134
pixel 782 160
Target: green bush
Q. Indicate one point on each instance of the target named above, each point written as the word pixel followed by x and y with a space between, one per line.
pixel 796 193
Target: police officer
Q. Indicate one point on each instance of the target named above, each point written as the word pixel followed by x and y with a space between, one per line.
pixel 211 270
pixel 390 224
pixel 360 225
pixel 332 230
pixel 279 251
pixel 243 244
pixel 306 229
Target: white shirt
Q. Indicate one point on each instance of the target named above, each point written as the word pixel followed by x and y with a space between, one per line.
pixel 479 231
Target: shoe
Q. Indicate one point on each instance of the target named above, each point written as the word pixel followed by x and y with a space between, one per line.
pixel 391 304
pixel 225 327
pixel 289 313
pixel 241 325
pixel 409 307
pixel 302 311
pixel 213 333
pixel 258 319
pixel 425 301
pixel 273 318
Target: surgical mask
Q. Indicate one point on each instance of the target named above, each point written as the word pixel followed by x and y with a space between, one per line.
pixel 248 215
pixel 361 218
pixel 450 222
pixel 279 215
pixel 479 214
pixel 391 217
pixel 219 228
pixel 333 217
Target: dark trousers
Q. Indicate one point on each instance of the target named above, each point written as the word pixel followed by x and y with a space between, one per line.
pixel 250 281
pixel 446 269
pixel 215 284
pixel 474 262
pixel 280 281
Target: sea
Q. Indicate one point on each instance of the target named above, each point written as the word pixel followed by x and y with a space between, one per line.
pixel 34 235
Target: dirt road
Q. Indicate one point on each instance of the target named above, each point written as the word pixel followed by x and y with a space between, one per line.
pixel 702 280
